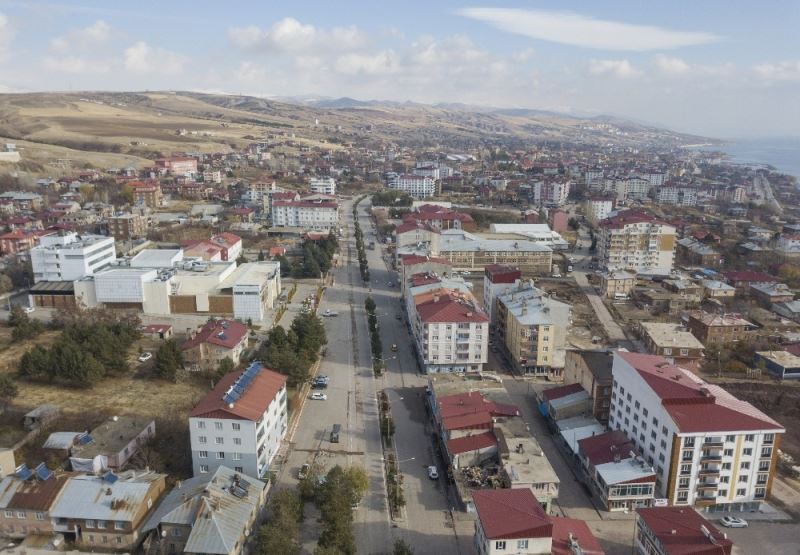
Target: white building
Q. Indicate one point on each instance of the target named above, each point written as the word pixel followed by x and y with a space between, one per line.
pixel 540 234
pixel 681 195
pixel 240 423
pixel 598 208
pixel 511 521
pixel 638 241
pixel 322 185
pixel 709 448
pixel 551 193
pixel 317 215
pixel 71 256
pixel 497 279
pixel 255 289
pixel 632 188
pixel 418 186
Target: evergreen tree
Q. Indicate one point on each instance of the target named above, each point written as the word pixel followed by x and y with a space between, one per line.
pixel 169 359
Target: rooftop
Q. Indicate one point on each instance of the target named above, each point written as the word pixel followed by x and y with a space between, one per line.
pixel 680 531
pixel 599 363
pixel 447 308
pixel 521 455
pixel 785 359
pixel 110 437
pixel 253 397
pixel 222 333
pixel 32 494
pixel 717 320
pixel 456 240
pixel 511 514
pixel 569 531
pixel 671 335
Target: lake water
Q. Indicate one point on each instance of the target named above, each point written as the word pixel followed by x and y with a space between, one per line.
pixel 783 153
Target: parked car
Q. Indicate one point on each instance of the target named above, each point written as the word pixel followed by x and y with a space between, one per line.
pixel 330 313
pixel 28 309
pixel 394 347
pixel 733 522
pixel 144 357
pixel 433 473
pixel 319 397
pixel 303 472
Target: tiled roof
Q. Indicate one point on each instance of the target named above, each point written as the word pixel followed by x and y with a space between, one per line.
pixel 679 530
pixel 565 529
pixel 561 391
pixel 471 443
pixel 511 514
pixel 224 333
pixel 250 405
pixel 448 309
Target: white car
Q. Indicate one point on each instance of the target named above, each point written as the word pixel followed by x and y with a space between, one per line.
pixel 733 522
pixel 28 309
pixel 144 357
pixel 319 397
pixel 433 473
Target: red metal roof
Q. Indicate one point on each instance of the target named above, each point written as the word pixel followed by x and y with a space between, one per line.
pixel 250 405
pixel 679 531
pixel 565 528
pixel 511 514
pixel 471 443
pixel 448 309
pixel 226 239
pixel 224 333
pixel 603 448
pixel 156 328
pixel 499 273
pixel 472 421
pixel 750 276
pixel 561 391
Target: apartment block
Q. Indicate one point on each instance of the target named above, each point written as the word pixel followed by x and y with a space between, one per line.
pixel 125 227
pixel 146 193
pixel 592 370
pixel 316 215
pixel 496 280
pixel 322 185
pixel 638 241
pixel 468 251
pixel 719 328
pixel 240 423
pixel 597 209
pixel 709 448
pixel 680 195
pixel 70 256
pixel 418 186
pixel 674 342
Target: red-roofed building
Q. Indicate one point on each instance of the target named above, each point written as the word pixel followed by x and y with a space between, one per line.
pixel 511 521
pixel 240 423
pixel 741 280
pixel 230 244
pixel 146 193
pixel 638 241
pixel 157 331
pixel 21 240
pixel 439 218
pixel 708 447
pixel 497 279
pixel 318 215
pixel 678 531
pixel 216 340
pixel 572 536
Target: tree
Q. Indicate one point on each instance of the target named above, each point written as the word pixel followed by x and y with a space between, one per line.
pixel 169 359
pixel 241 260
pixel 261 256
pixel 6 284
pixel 225 366
pixel 402 548
pixel 281 533
pixel 8 389
pixel 286 265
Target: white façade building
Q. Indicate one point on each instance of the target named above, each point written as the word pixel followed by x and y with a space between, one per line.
pixel 322 185
pixel 71 256
pixel 709 448
pixel 418 186
pixel 317 215
pixel 240 423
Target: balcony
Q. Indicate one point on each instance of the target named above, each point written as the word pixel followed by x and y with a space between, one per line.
pixel 713 443
pixel 707 485
pixel 711 457
pixel 708 471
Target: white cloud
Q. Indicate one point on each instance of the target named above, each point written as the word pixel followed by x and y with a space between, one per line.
pixel 97 33
pixel 290 35
pixel 142 58
pixel 667 64
pixel 381 63
pixel 579 30
pixel 781 71
pixel 75 64
pixel 6 34
pixel 618 68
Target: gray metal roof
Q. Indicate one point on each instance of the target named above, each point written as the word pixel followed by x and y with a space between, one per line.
pixel 205 503
pixel 60 440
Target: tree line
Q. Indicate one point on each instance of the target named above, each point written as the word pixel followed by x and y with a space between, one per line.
pixel 293 352
pixel 317 259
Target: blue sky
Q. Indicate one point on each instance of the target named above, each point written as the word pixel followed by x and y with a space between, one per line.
pixel 726 69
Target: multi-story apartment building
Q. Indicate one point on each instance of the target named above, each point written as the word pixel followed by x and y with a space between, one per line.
pixel 317 215
pixel 146 193
pixel 709 448
pixel 636 240
pixel 674 342
pixel 632 188
pixel 682 195
pixel 418 186
pixel 124 227
pixel 719 328
pixel 322 185
pixel 23 201
pixel 551 192
pixel 597 209
pixel 259 192
pixel 496 280
pixel 592 370
pixel 178 165
pixel 451 334
pixel 532 327
pixel 467 251
pixel 21 240
pixel 240 423
pixel 70 257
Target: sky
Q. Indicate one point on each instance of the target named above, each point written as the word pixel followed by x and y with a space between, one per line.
pixel 723 69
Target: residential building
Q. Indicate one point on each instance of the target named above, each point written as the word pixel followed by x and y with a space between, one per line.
pixel 511 521
pixel 565 401
pixel 637 241
pixel 673 342
pixel 678 531
pixel 112 444
pixel 317 215
pixel 440 218
pixel 558 220
pixel 418 186
pixel 742 280
pixel 106 512
pixel 21 240
pixel 229 499
pixel 709 448
pixel 681 195
pixel 214 342
pixel 240 423
pixel 451 333
pixel 551 192
pixel 621 477
pixel 788 245
pixel 617 284
pixel 592 370
pixel 693 252
pixel 496 280
pixel 26 499
pixel 146 193
pixel 597 209
pixel 23 201
pixel 125 227
pixel 230 244
pixel 632 188
pixel 260 192
pixel 715 289
pixel 532 327
pixel 784 365
pixel 70 256
pixel 718 328
pixel 467 251
pixel 322 185
pixel 178 165
pixel 573 537
pixel 767 294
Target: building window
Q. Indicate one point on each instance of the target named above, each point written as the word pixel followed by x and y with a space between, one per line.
pixel 101 524
pixel 119 539
pixel 728 452
pixel 726 466
pixel 760 493
pixel 237 469
pixel 220 455
pixel 745 466
pixel 202 454
pixel 741 492
pixel 522 544
pixel 743 479
pixel 688 442
pixel 236 426
pixel 683 496
pixel 217 425
pixel 9 514
pixel 237 441
pixel 747 452
pixel 219 440
pixel 236 456
pixel 203 468
pixel 202 439
pixel 749 437
pixel 119 525
pixel 500 545
pixel 201 425
pixel 90 524
pixel 723 493
pixel 766 452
